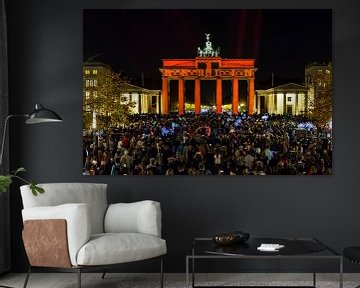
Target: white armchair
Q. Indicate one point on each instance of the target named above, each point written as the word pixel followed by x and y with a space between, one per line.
pixel 71 227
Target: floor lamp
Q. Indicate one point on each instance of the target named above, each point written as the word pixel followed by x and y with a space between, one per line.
pixel 39 115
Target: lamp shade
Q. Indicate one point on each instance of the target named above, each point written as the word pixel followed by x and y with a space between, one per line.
pixel 42 115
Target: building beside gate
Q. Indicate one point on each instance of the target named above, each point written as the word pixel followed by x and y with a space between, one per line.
pixel 295 99
pixel 145 100
pixel 289 99
pixel 317 78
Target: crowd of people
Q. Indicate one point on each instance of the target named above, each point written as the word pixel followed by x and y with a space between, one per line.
pixel 211 144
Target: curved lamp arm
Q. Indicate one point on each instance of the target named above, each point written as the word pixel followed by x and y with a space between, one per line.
pixel 39 115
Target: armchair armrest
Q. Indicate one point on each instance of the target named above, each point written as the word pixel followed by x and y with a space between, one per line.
pixel 138 217
pixel 52 250
pixel 77 217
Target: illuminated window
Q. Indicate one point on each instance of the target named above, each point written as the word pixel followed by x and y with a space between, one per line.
pixel 87 83
pixel 87 95
pixel 87 108
pixel 95 94
pixel 327 71
pixel 95 83
pixel 94 71
pixel 87 71
pixel 320 72
pixel 91 83
pixel 319 84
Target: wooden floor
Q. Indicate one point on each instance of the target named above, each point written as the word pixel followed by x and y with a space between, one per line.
pixel 119 280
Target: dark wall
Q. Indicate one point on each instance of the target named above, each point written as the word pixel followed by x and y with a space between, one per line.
pixel 45 50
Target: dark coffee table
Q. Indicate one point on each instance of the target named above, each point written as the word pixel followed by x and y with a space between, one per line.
pixel 294 248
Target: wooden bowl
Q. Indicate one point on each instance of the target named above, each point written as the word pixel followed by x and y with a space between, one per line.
pixel 225 239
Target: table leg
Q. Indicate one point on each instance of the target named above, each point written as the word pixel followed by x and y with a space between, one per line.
pixel 193 272
pixel 187 272
pixel 341 273
pixel 314 271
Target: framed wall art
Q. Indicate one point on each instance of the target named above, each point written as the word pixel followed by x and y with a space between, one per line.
pixel 207 92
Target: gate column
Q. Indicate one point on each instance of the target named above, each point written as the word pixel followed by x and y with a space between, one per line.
pixel 165 96
pixel 218 95
pixel 235 96
pixel 181 96
pixel 251 96
pixel 197 96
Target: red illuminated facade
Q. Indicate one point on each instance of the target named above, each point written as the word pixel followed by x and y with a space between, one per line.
pixel 208 67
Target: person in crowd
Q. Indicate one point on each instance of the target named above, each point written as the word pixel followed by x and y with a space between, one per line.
pixel 211 143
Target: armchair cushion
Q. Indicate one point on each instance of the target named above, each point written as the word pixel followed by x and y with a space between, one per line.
pixel 78 221
pixel 93 194
pixel 138 217
pixel 113 248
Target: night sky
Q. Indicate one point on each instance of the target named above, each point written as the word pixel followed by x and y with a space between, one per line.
pixel 282 42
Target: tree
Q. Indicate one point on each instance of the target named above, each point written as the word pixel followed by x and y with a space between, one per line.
pixel 322 102
pixel 103 101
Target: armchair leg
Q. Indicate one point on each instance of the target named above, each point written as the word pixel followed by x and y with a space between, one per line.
pixel 79 277
pixel 161 273
pixel 103 275
pixel 27 277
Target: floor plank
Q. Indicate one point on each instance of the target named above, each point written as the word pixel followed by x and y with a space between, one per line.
pixel 118 280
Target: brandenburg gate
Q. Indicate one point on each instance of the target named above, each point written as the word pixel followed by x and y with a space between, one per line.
pixel 208 65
